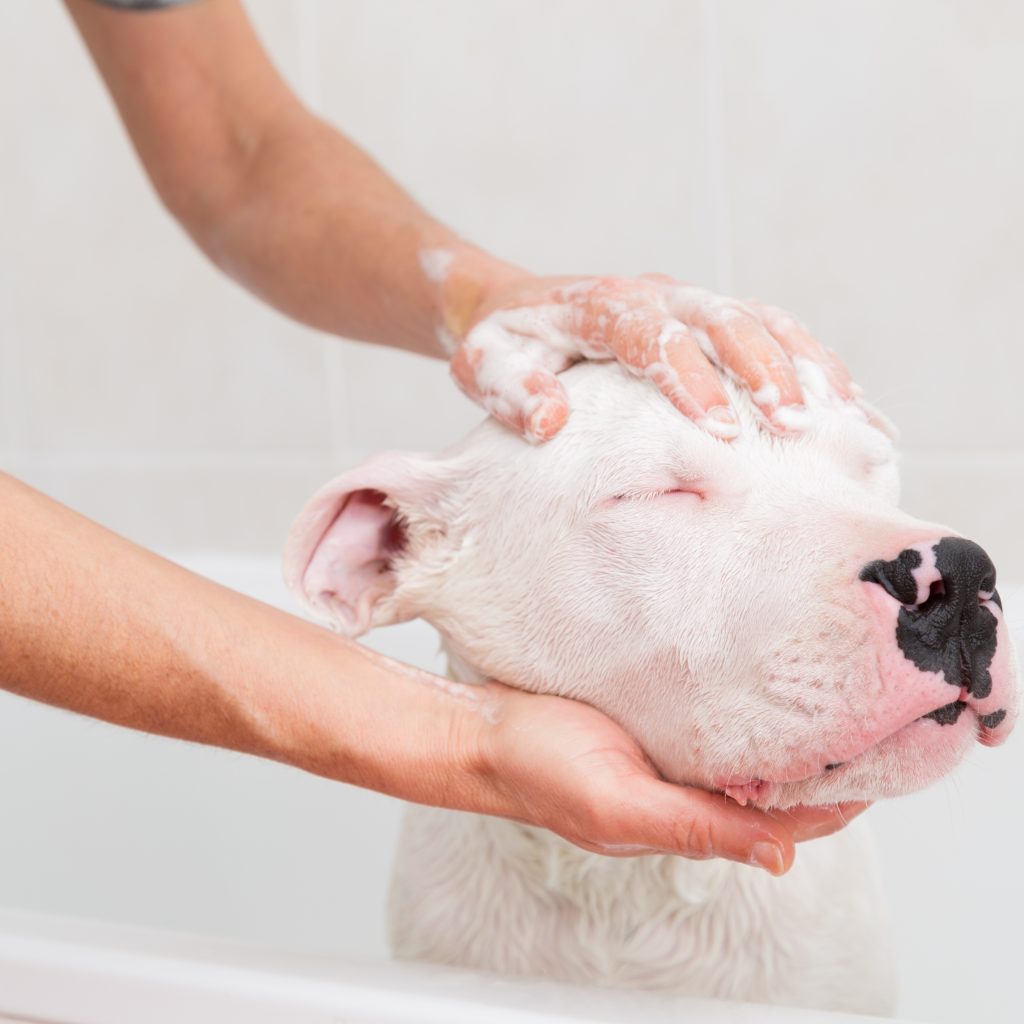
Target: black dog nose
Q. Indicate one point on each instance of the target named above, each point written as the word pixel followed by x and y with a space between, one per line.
pixel 965 570
pixel 949 629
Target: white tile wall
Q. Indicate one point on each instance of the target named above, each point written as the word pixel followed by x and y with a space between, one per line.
pixel 857 161
pixel 886 199
pixel 511 122
pixel 138 385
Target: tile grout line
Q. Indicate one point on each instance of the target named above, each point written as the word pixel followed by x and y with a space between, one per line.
pixel 334 370
pixel 311 91
pixel 164 461
pixel 309 65
pixel 721 210
pixel 185 459
pixel 11 374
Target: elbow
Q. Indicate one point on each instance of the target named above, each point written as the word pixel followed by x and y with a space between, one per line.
pixel 200 191
pixel 211 190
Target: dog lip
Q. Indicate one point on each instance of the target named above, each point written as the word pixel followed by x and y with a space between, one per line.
pixel 746 788
pixel 947 714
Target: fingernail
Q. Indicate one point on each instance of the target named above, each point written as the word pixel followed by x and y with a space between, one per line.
pixel 792 417
pixel 767 856
pixel 720 421
pixel 545 421
pixel 722 413
pixel 766 395
pixel 852 810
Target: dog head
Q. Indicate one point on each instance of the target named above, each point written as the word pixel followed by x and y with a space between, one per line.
pixel 758 613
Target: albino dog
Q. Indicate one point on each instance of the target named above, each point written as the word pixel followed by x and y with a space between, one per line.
pixel 758 614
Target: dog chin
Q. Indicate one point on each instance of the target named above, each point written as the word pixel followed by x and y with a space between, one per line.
pixel 918 755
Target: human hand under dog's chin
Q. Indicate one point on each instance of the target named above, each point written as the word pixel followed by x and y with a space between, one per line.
pixel 526 329
pixel 567 767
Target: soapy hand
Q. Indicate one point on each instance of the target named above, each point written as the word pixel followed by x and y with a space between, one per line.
pixel 674 334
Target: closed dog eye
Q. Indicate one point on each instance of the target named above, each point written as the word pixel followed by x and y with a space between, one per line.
pixel 680 492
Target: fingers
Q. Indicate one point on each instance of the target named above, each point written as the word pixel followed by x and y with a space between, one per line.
pixel 815 822
pixel 661 349
pixel 632 323
pixel 798 343
pixel 513 378
pixel 741 344
pixel 676 336
pixel 658 817
pixel 874 416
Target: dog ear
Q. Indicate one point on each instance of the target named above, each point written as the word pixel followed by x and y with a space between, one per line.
pixel 340 554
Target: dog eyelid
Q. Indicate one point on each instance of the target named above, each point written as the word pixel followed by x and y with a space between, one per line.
pixel 676 489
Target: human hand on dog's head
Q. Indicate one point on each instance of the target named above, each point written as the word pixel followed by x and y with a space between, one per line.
pixel 513 342
pixel 565 766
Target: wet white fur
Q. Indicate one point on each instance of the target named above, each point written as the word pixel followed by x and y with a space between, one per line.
pixel 717 626
pixel 491 895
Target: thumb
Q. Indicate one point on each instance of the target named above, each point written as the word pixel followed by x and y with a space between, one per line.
pixel 666 818
pixel 815 822
pixel 513 377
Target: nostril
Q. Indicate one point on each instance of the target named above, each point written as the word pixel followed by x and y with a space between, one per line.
pixel 952 571
pixel 946 623
pixel 897 576
pixel 936 596
pixel 966 572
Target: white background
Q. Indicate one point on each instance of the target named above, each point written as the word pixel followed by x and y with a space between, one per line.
pixel 858 162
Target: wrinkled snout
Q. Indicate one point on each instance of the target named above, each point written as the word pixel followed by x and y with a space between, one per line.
pixel 942 636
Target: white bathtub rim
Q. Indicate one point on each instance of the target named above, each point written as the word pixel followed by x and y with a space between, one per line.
pixel 68 971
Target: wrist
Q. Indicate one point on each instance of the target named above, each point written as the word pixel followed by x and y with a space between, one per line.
pixel 494 743
pixel 468 278
pixel 358 717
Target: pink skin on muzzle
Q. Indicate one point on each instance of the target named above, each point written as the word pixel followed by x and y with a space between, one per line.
pixel 893 711
pixel 909 692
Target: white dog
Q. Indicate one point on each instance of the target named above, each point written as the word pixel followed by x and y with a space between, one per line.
pixel 758 614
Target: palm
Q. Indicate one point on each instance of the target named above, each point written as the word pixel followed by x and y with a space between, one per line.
pixel 574 770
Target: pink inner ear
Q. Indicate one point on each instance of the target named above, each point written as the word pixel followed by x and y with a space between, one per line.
pixel 350 569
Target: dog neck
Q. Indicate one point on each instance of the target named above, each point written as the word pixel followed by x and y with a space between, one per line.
pixel 589 877
pixel 460 670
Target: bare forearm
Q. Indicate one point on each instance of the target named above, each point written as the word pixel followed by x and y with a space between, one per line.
pixel 276 197
pixel 92 623
pixel 323 234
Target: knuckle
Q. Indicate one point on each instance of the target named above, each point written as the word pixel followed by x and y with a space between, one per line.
pixel 633 338
pixel 605 820
pixel 464 375
pixel 696 837
pixel 595 820
pixel 735 321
